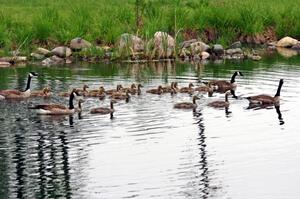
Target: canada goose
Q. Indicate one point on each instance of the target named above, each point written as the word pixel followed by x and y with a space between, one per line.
pixel 104 110
pixel 121 96
pixel 100 93
pixel 109 92
pixel 223 85
pixel 175 87
pixel 168 89
pixel 57 109
pixel 16 94
pixel 157 90
pixel 220 104
pixel 187 105
pixel 207 89
pixel 137 90
pixel 43 93
pixel 83 91
pixel 267 99
pixel 79 108
pixel 187 89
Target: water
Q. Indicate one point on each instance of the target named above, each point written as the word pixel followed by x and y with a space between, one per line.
pixel 149 149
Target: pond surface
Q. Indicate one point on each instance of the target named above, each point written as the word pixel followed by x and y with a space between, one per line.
pixel 149 149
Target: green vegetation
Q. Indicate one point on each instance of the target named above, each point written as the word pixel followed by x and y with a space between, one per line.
pixel 41 22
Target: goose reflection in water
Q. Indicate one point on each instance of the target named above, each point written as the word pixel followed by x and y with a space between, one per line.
pixel 266 106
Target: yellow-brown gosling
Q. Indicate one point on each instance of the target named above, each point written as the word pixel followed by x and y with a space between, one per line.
pixel 100 93
pixel 84 90
pixel 220 104
pixel 267 99
pixel 121 96
pixel 118 89
pixel 16 94
pixel 168 89
pixel 137 90
pixel 46 92
pixel 157 90
pixel 104 110
pixel 187 105
pixel 131 88
pixel 187 89
pixel 57 109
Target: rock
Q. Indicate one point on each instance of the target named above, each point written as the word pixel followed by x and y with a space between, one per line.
pixel 255 57
pixel 218 49
pixel 42 51
pixel 57 59
pixel 296 47
pixel 68 61
pixel 79 44
pixel 273 43
pixel 236 44
pixel 37 56
pixel 184 53
pixel 198 47
pixel 196 57
pixel 204 55
pixel 164 45
pixel 47 61
pixel 13 59
pixel 62 51
pixel 131 41
pixel 4 64
pixel 287 42
pixel 187 44
pixel 234 51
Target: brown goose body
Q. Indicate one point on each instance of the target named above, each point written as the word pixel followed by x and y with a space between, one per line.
pixel 57 109
pixel 16 94
pixel 103 110
pixel 187 89
pixel 187 105
pixel 220 104
pixel 136 90
pixel 267 99
pixel 157 90
pixel 97 93
pixel 42 93
pixel 120 96
pixel 83 91
pixel 222 85
pixel 111 91
pixel 168 89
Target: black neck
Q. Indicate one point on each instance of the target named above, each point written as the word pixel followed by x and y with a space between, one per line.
pixel 71 105
pixel 28 83
pixel 111 105
pixel 226 97
pixel 233 77
pixel 194 100
pixel 279 89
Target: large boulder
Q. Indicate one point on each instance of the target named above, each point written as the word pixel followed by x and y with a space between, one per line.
pixel 79 44
pixel 187 44
pixel 236 44
pixel 204 55
pixel 164 45
pixel 4 64
pixel 198 47
pixel 234 51
pixel 296 47
pixel 131 41
pixel 218 49
pixel 287 42
pixel 62 51
pixel 43 51
pixel 37 56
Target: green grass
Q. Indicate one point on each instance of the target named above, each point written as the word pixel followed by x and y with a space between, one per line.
pixel 35 22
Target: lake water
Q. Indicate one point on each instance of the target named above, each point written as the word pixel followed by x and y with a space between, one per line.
pixel 149 149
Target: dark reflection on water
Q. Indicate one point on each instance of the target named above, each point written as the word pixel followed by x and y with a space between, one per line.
pixel 147 149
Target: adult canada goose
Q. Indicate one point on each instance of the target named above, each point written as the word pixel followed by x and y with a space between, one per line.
pixel 118 89
pixel 104 110
pixel 121 96
pixel 157 90
pixel 16 94
pixel 43 93
pixel 223 85
pixel 187 89
pixel 57 109
pixel 267 99
pixel 187 105
pixel 220 104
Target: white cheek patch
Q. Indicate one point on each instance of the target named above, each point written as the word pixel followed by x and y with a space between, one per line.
pixel 2 97
pixel 43 112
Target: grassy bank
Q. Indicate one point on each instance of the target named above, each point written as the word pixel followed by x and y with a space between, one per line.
pixel 29 23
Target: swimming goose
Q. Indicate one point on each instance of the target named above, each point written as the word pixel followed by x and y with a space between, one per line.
pixel 220 104
pixel 121 96
pixel 109 92
pixel 168 89
pixel 223 85
pixel 157 90
pixel 57 109
pixel 187 89
pixel 43 93
pixel 137 90
pixel 206 89
pixel 100 93
pixel 16 94
pixel 79 108
pixel 267 99
pixel 131 88
pixel 83 91
pixel 104 110
pixel 187 105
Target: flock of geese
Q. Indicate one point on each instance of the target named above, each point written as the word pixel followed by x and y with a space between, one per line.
pixel 124 93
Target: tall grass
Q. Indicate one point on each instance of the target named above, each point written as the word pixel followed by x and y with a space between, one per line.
pixel 102 22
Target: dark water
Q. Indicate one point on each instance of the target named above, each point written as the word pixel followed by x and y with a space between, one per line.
pixel 149 149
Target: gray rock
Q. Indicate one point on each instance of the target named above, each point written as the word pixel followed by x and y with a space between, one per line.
pixel 47 62
pixel 62 51
pixel 79 44
pixel 4 64
pixel 198 47
pixel 296 47
pixel 57 59
pixel 131 41
pixel 42 51
pixel 234 51
pixel 16 59
pixel 164 45
pixel 37 56
pixel 236 44
pixel 187 44
pixel 287 42
pixel 218 49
